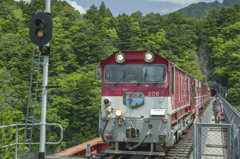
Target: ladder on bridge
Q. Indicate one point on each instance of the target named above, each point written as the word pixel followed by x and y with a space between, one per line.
pixel 31 103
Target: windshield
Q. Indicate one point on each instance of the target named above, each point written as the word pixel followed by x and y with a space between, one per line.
pixel 135 73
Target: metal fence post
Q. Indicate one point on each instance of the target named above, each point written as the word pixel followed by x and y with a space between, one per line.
pixel 229 141
pixel 194 141
pixel 239 141
pixel 233 140
pixel 197 139
pixel 16 146
pixel 200 140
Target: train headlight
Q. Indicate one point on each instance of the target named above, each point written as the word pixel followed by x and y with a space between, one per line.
pixel 118 112
pixel 148 56
pixel 107 101
pixel 120 57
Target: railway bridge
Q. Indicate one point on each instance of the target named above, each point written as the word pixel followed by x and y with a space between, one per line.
pixel 203 139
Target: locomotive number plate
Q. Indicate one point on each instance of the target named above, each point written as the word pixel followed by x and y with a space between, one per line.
pixel 153 94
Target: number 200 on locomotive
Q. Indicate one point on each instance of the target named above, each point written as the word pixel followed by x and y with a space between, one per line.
pixel 147 102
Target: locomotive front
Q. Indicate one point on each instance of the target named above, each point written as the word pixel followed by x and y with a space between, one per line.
pixel 135 102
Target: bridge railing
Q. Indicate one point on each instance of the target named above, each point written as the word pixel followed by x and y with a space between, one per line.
pixel 34 143
pixel 232 116
pixel 206 118
pixel 217 140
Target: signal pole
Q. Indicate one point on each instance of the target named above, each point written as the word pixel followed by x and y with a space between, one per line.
pixel 42 147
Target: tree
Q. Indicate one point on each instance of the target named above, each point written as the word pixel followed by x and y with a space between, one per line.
pixel 157 42
pixel 137 16
pixel 5 9
pixel 109 13
pixel 152 22
pixel 8 115
pixel 233 95
pixel 212 22
pixel 225 50
pixel 76 106
pixel 93 15
pixel 103 10
pixel 128 33
pixel 81 41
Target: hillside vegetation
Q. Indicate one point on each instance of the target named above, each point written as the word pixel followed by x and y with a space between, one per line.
pixel 199 10
pixel 81 41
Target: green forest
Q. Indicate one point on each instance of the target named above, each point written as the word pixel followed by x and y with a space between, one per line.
pixel 199 10
pixel 81 41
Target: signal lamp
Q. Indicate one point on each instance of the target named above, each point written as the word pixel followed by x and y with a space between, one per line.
pixel 40 31
pixel 120 57
pixel 148 56
pixel 40 23
pixel 118 112
pixel 106 101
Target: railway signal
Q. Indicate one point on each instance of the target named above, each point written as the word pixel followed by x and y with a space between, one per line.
pixel 41 29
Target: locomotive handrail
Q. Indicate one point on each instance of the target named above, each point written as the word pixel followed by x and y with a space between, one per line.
pixel 35 143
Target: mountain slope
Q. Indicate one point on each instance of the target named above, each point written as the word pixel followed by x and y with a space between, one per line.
pixel 199 10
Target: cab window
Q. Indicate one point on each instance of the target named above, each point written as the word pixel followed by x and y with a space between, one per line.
pixel 135 73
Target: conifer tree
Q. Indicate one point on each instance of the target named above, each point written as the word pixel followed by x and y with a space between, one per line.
pixel 103 10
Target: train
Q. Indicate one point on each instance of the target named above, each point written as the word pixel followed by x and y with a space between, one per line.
pixel 147 102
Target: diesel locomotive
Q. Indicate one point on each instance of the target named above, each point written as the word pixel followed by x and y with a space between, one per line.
pixel 147 102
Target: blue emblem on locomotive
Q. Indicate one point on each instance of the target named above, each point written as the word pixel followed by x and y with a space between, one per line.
pixel 133 100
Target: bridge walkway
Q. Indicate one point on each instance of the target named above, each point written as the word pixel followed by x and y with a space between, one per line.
pixel 216 139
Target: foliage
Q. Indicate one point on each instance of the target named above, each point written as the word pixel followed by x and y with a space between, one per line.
pixel 233 95
pixel 201 9
pixel 223 29
pixel 225 51
pixel 8 116
pixel 81 41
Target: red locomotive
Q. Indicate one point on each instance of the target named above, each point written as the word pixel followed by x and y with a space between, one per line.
pixel 147 102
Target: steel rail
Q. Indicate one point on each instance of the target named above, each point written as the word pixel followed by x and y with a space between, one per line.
pixel 184 141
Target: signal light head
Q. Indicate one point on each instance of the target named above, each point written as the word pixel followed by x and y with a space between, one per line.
pixel 148 56
pixel 39 33
pixel 40 23
pixel 120 57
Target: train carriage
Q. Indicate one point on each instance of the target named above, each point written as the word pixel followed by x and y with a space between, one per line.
pixel 147 102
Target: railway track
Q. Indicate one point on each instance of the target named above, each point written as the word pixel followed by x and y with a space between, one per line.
pixel 125 156
pixel 182 149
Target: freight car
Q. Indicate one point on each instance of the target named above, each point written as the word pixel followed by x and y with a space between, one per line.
pixel 147 102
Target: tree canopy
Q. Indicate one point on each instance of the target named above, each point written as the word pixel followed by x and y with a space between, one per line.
pixel 81 41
